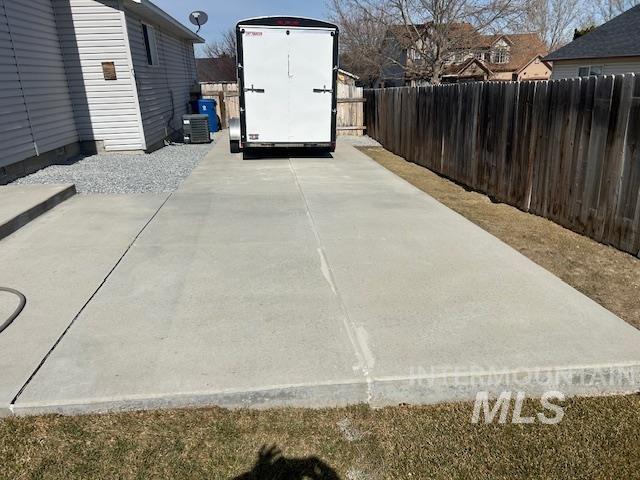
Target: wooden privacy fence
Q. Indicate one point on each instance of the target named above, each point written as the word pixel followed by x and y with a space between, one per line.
pixel 350 118
pixel 567 150
pixel 227 98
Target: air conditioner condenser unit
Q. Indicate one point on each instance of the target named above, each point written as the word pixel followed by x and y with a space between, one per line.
pixel 196 128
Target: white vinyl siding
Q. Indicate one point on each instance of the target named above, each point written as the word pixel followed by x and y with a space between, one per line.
pixel 92 32
pixel 610 66
pixel 35 106
pixel 163 89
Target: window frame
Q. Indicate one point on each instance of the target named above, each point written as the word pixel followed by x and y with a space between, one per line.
pixel 591 67
pixel 588 71
pixel 150 44
pixel 501 56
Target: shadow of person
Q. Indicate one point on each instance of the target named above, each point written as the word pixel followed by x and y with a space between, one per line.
pixel 272 465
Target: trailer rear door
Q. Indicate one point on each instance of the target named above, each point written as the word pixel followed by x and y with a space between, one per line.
pixel 288 84
pixel 266 84
pixel 311 85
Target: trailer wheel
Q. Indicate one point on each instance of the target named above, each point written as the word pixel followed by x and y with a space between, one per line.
pixel 234 146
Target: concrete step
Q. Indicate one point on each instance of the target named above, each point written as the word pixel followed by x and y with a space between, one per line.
pixel 19 204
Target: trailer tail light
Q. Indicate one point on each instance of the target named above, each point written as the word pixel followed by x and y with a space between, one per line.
pixel 288 23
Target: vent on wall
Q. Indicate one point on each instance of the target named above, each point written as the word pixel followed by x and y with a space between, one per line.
pixel 109 71
pixel 196 128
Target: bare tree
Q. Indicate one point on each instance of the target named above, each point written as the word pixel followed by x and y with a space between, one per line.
pixel 605 10
pixel 225 46
pixel 362 40
pixel 554 20
pixel 422 35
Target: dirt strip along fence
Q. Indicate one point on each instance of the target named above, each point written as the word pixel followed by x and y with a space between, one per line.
pixel 567 150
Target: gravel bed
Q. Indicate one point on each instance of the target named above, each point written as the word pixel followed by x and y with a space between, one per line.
pixel 359 141
pixel 157 172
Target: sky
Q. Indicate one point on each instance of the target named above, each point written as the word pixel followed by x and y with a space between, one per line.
pixel 224 14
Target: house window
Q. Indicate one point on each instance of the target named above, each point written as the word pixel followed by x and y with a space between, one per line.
pixel 593 70
pixel 501 55
pixel 459 57
pixel 414 55
pixel 150 44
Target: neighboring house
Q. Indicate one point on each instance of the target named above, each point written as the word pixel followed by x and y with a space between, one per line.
pixel 612 48
pixel 499 57
pixel 94 74
pixel 474 56
pixel 217 70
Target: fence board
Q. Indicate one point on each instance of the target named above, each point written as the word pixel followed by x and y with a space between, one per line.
pixel 567 150
pixel 628 209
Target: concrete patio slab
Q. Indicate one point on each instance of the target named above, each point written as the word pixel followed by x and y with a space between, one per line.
pixel 58 261
pixel 19 204
pixel 322 282
pixel 201 331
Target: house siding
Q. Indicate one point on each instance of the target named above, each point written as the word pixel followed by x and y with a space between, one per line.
pixel 163 89
pixel 92 32
pixel 35 105
pixel 536 70
pixel 611 66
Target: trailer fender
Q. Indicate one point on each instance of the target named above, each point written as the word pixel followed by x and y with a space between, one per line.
pixel 234 129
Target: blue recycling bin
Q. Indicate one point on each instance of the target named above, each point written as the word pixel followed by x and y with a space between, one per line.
pixel 207 106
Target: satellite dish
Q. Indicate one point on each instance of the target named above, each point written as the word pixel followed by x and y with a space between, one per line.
pixel 198 18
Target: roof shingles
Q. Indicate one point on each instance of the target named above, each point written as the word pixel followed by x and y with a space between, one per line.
pixel 618 37
pixel 216 70
pixel 524 47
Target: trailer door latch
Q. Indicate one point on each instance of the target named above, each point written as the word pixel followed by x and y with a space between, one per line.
pixel 322 90
pixel 256 90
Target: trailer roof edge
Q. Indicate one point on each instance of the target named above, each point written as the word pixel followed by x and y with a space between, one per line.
pixel 287 21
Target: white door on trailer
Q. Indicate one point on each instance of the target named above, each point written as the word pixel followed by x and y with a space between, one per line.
pixel 310 85
pixel 266 96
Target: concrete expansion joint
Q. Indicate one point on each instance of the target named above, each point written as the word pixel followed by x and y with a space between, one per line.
pixel 357 334
pixel 93 295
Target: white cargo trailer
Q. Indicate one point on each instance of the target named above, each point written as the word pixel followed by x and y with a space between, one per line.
pixel 287 78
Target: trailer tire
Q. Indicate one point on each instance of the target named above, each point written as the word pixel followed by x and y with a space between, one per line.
pixel 234 146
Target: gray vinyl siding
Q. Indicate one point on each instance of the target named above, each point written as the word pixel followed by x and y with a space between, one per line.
pixel 35 106
pixel 92 32
pixel 611 66
pixel 163 89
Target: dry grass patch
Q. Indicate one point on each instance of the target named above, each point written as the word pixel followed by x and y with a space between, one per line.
pixel 598 438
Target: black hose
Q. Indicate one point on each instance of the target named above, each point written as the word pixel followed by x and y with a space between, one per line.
pixel 18 311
